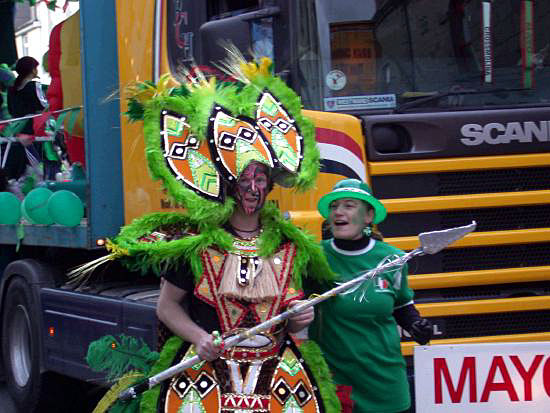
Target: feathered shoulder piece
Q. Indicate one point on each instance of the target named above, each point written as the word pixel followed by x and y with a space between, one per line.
pixel 156 243
pixel 162 241
pixel 200 135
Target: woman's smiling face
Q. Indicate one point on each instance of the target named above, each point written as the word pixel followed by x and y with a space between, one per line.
pixel 348 217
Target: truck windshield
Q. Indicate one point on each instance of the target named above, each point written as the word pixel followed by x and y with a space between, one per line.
pixel 422 54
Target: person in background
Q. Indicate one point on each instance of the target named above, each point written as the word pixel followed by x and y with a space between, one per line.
pixel 25 97
pixel 357 330
pixel 3 112
pixel 6 80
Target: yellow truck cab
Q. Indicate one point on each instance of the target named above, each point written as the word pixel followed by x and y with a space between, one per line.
pixel 445 124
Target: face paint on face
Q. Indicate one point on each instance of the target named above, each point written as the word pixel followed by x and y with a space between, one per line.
pixel 348 217
pixel 252 188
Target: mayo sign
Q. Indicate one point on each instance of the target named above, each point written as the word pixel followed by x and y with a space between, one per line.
pixel 486 378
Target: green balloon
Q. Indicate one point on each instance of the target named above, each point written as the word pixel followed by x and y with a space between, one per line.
pixel 35 206
pixel 10 208
pixel 65 208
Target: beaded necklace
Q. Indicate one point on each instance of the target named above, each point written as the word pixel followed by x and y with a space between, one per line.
pixel 250 263
pixel 246 247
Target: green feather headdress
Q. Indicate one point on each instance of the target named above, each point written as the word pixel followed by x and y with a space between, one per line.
pixel 202 133
pixel 199 136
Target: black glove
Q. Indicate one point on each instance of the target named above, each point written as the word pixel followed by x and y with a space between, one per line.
pixel 409 319
pixel 421 331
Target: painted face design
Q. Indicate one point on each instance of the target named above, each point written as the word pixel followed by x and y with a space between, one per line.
pixel 348 217
pixel 252 188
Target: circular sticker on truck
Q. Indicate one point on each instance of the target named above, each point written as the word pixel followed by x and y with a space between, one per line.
pixel 336 80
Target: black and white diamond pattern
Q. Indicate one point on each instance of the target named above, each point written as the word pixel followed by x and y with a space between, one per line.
pixel 203 384
pixel 280 124
pixel 302 394
pixel 266 123
pixel 179 150
pixel 227 140
pixel 181 385
pixel 281 391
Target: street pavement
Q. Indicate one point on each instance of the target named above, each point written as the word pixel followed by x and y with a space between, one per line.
pixel 6 403
pixel 76 399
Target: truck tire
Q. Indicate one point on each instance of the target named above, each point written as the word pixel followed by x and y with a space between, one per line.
pixel 20 345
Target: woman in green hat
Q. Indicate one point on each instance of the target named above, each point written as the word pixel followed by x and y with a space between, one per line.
pixel 357 330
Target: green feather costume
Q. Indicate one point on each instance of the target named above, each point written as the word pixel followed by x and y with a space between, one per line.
pixel 199 137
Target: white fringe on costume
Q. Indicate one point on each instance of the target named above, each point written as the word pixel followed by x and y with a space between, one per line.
pixel 262 285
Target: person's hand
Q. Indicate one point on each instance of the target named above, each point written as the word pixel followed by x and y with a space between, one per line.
pixel 421 331
pixel 24 139
pixel 300 320
pixel 206 347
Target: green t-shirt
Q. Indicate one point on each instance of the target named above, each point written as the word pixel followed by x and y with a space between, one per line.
pixel 359 337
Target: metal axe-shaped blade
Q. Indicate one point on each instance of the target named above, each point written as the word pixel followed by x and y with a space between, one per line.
pixel 435 241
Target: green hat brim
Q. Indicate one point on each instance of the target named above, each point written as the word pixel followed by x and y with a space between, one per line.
pixel 380 212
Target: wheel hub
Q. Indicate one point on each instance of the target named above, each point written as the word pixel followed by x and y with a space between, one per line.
pixel 20 349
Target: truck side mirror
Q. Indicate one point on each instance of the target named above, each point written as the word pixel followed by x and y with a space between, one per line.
pixel 235 29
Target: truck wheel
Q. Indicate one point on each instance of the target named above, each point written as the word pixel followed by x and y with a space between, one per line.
pixel 20 345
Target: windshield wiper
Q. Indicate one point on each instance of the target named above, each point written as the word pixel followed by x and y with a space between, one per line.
pixel 438 95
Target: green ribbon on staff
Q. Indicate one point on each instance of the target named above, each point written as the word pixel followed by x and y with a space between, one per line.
pixel 13 128
pixel 73 115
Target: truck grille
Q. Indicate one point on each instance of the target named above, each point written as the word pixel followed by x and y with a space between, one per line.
pixel 497 324
pixel 482 292
pixel 482 258
pixel 503 180
pixel 488 219
pixel 461 183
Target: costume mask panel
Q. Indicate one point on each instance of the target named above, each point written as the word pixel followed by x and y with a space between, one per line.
pixel 235 142
pixel 187 158
pixel 293 389
pixel 281 132
pixel 195 390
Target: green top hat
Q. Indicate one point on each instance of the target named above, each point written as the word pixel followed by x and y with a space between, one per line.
pixel 352 188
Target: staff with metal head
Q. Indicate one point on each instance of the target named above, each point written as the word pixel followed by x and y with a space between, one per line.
pixel 430 243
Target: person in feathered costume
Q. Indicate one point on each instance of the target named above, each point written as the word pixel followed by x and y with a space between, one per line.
pixel 231 260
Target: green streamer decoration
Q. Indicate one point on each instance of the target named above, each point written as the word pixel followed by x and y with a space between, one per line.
pixel 73 115
pixel 13 128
